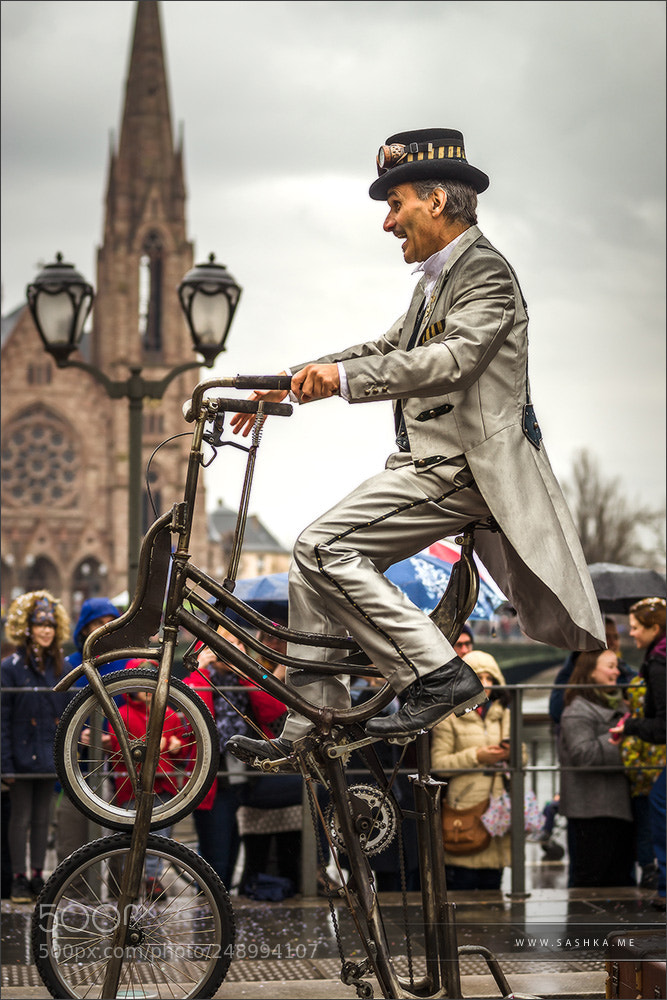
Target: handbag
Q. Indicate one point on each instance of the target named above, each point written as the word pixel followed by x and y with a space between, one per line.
pixel 462 829
pixel 498 817
pixel 533 817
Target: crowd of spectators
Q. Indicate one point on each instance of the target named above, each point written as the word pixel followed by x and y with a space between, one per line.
pixel 608 723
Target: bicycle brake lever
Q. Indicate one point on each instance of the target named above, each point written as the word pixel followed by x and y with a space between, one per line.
pixel 214 436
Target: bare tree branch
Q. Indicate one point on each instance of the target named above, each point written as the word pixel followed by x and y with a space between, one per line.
pixel 611 527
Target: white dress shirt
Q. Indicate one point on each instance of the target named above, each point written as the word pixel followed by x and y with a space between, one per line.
pixel 431 269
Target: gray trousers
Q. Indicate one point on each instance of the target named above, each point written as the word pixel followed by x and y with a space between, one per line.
pixel 336 582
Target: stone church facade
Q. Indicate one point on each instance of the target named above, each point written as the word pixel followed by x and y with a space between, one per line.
pixel 64 442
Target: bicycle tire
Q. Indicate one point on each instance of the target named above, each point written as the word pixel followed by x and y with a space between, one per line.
pixel 88 786
pixel 182 939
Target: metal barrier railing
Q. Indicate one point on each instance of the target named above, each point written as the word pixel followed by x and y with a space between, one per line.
pixel 517 770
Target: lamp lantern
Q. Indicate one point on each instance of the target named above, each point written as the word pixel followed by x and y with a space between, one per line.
pixel 60 300
pixel 209 295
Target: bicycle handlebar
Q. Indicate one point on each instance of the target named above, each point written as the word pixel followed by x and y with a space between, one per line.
pixel 252 406
pixel 262 381
pixel 192 407
pixel 242 406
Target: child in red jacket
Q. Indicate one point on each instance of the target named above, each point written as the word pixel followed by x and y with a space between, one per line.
pixel 134 712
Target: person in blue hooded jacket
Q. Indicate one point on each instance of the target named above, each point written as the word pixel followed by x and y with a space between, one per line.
pixel 71 826
pixel 95 612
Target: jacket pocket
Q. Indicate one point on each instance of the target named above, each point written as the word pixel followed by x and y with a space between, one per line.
pixel 436 411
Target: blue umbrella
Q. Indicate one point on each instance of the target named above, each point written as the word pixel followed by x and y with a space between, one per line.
pixel 423 578
pixel 266 594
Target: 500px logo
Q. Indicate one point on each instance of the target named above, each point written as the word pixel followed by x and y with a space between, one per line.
pixel 77 917
pixel 140 953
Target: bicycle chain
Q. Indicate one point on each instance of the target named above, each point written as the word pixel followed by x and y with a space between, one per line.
pixel 351 973
pixel 322 865
pixel 404 884
pixel 404 899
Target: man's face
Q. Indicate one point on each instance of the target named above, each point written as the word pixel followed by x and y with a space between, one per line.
pixel 412 221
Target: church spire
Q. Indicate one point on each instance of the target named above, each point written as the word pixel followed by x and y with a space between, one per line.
pixel 146 142
pixel 72 527
pixel 146 172
pixel 145 250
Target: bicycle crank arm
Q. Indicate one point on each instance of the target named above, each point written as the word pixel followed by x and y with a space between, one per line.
pixel 343 748
pixel 271 766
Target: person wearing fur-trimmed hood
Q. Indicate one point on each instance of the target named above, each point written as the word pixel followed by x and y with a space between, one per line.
pixel 38 625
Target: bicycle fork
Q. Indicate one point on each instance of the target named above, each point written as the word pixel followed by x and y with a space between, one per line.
pixel 132 873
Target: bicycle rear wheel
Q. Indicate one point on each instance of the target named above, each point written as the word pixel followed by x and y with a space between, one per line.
pixel 85 776
pixel 181 929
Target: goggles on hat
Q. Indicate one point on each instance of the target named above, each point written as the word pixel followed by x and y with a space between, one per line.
pixel 391 156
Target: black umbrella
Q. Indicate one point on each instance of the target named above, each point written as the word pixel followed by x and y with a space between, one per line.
pixel 619 587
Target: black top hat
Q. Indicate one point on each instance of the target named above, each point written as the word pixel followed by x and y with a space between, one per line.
pixel 422 154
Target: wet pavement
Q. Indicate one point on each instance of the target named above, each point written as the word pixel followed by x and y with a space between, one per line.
pixel 553 943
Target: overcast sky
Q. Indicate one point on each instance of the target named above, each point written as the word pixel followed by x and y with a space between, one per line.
pixel 284 106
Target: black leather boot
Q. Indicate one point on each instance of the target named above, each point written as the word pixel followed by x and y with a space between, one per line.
pixel 255 752
pixel 455 687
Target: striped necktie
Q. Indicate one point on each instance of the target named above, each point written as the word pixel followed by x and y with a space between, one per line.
pixel 402 440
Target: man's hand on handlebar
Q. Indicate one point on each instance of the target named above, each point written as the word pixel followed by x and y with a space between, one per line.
pixel 316 382
pixel 244 422
pixel 311 383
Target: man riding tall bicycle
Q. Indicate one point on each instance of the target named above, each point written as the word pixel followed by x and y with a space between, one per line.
pixel 468 449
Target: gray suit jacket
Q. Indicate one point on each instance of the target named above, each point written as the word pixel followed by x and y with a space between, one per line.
pixel 463 390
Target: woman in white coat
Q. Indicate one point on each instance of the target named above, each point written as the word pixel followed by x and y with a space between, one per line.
pixel 475 741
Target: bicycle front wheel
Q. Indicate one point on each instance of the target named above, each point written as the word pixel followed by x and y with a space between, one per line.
pixel 181 927
pixel 94 779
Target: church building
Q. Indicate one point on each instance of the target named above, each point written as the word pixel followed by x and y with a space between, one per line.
pixel 64 442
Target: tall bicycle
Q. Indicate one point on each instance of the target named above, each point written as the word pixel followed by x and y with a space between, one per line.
pixel 96 930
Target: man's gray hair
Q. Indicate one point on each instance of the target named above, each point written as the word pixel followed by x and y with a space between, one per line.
pixel 461 202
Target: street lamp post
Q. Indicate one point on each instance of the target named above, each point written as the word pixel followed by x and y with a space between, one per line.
pixel 60 301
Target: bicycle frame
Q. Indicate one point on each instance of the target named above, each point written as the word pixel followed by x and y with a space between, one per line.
pixel 167 581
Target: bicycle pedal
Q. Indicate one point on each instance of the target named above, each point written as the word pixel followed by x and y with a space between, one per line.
pixel 402 741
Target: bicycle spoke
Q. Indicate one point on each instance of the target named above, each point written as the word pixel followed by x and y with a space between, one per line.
pixel 179 943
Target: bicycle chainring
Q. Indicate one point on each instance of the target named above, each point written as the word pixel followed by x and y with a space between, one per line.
pixel 374 816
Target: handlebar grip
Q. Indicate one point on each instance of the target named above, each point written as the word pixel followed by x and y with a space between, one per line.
pixel 243 406
pixel 262 381
pixel 252 406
